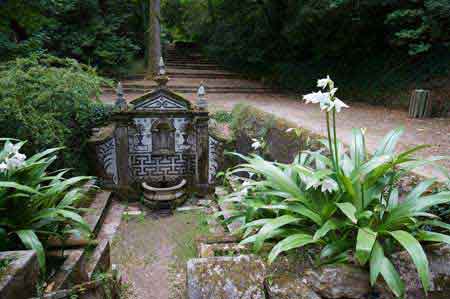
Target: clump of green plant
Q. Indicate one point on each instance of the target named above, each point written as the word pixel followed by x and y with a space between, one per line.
pixel 51 102
pixel 346 204
pixel 36 205
pixel 222 116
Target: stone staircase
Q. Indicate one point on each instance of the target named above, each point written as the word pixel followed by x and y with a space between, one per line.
pixel 81 264
pixel 187 68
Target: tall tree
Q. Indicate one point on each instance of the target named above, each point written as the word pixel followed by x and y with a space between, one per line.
pixel 154 34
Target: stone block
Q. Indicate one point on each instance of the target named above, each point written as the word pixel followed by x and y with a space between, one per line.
pixel 288 286
pixel 339 281
pixel 20 277
pixel 239 277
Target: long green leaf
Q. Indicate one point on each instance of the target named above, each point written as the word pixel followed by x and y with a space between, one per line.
pixel 349 210
pixel 379 264
pixel 417 254
pixel 277 223
pixel 17 186
pixel 364 242
pixel 433 237
pixel 328 226
pixel 388 143
pixel 31 241
pixel 392 278
pixel 358 147
pixel 376 258
pixel 291 242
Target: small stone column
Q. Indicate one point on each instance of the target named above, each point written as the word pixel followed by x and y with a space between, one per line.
pixel 202 173
pixel 121 136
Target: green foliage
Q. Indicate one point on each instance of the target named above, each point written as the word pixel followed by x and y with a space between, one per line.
pixel 51 103
pixel 36 205
pixel 222 116
pixel 345 204
pixel 94 32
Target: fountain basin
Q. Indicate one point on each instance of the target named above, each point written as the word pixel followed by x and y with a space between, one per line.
pixel 162 197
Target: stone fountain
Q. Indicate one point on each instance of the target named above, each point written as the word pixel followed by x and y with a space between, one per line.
pixel 158 147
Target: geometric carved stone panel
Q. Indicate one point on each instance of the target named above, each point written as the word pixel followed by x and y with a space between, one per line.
pixel 159 168
pixel 215 154
pixel 106 155
pixel 161 103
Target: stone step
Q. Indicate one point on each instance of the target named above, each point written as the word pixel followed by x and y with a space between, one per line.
pixel 98 210
pixel 189 75
pixel 217 90
pixel 103 218
pixel 188 60
pixel 193 65
pixel 99 259
pixel 196 67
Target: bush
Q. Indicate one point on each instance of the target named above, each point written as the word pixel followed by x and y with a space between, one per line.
pixel 34 205
pixel 51 102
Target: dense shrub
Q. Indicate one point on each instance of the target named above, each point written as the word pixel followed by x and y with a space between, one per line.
pixel 106 34
pixel 51 103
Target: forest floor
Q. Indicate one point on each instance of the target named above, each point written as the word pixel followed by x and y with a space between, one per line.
pixel 225 89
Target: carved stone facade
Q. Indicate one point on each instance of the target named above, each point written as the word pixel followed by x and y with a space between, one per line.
pixel 158 139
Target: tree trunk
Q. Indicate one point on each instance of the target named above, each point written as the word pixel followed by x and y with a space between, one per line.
pixel 154 34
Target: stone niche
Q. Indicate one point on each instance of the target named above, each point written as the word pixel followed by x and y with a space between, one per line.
pixel 160 139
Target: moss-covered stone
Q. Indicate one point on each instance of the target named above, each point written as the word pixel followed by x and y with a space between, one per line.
pixel 225 278
pixel 339 281
pixel 19 278
pixel 288 286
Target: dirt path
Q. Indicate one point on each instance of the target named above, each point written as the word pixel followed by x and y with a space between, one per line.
pixel 378 120
pixel 151 253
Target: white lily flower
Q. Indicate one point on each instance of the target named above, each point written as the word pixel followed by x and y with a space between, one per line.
pixel 3 167
pixel 338 105
pixel 290 130
pixel 15 161
pixel 20 157
pixel 323 83
pixel 256 144
pixel 12 148
pixel 326 104
pixel 329 185
pixel 316 97
pixel 311 182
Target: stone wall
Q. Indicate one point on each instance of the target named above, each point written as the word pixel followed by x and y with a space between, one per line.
pixel 250 122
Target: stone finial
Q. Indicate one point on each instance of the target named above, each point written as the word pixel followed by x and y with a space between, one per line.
pixel 162 78
pixel 162 67
pixel 202 104
pixel 121 103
